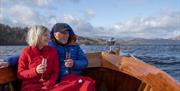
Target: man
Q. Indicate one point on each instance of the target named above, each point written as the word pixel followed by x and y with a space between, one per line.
pixel 61 36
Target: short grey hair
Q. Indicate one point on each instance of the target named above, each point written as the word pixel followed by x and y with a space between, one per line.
pixel 34 34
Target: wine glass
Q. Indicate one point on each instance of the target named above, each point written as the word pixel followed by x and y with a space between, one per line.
pixel 43 62
pixel 68 56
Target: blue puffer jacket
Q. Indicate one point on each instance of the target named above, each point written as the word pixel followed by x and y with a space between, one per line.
pixel 79 59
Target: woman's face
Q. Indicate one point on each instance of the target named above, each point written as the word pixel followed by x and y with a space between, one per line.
pixel 44 38
pixel 62 37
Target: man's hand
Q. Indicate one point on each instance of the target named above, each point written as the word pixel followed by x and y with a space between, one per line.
pixel 3 64
pixel 69 63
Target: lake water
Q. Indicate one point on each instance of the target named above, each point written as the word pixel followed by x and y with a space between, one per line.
pixel 165 57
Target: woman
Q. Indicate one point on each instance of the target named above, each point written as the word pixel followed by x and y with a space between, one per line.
pixel 38 65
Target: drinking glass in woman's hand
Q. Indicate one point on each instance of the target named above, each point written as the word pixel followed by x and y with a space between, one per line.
pixel 42 68
pixel 44 64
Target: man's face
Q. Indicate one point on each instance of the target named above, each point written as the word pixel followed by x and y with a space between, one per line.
pixel 62 37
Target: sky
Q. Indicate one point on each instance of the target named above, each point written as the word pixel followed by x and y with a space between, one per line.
pixel 98 18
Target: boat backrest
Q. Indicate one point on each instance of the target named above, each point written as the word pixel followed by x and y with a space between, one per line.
pixel 7 75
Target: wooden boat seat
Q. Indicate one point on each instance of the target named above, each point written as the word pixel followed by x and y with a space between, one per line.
pixel 8 75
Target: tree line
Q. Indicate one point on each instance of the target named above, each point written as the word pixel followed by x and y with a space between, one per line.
pixel 17 36
pixel 12 35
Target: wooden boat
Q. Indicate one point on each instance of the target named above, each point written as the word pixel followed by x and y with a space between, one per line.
pixel 116 73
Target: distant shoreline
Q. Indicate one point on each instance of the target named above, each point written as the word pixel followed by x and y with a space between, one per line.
pixel 17 36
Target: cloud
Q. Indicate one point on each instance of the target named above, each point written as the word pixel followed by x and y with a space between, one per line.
pixel 66 1
pixel 80 26
pixel 41 2
pixel 23 14
pixel 26 12
pixel 147 27
pixel 76 1
pixel 149 23
pixel 73 1
pixel 52 20
pixel 89 13
pixel 165 25
pixel 26 2
pixel 47 2
pixel 20 15
pixel 84 28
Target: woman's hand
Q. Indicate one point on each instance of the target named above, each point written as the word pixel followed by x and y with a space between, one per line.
pixel 41 68
pixel 69 63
